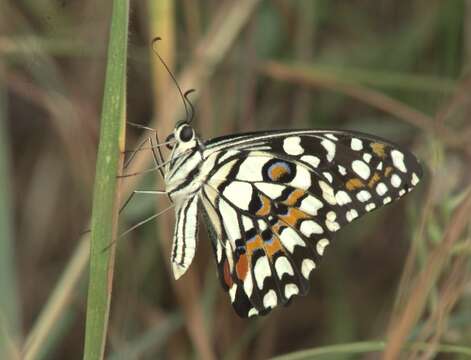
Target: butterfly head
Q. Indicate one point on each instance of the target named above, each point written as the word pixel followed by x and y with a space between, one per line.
pixel 182 139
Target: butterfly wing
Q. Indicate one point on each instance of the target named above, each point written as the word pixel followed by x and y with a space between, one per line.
pixel 273 201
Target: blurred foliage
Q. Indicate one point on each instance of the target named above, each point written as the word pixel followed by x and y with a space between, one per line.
pixel 396 69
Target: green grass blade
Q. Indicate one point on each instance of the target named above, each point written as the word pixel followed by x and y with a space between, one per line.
pixel 109 160
pixel 9 312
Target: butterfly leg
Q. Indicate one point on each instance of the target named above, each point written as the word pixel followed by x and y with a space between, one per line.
pixel 145 221
pixel 158 143
pixel 148 192
pixel 154 154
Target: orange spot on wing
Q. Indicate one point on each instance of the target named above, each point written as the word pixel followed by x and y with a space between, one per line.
pixel 227 274
pixel 254 244
pixel 388 171
pixel 273 247
pixel 277 171
pixel 276 228
pixel 374 180
pixel 294 197
pixel 242 267
pixel 378 149
pixel 293 216
pixel 353 184
pixel 266 206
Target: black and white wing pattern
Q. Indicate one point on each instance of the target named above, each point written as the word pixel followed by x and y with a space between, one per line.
pixel 184 235
pixel 274 200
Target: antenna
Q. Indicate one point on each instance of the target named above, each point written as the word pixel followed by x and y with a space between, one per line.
pixel 182 95
pixel 185 95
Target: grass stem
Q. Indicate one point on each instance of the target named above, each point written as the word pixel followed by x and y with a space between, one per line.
pixel 105 199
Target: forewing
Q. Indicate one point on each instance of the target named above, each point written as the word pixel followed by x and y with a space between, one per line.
pixel 365 171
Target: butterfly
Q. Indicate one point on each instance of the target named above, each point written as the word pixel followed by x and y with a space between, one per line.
pixel 273 200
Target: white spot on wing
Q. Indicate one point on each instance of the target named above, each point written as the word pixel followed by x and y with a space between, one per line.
pixel 229 257
pixel 270 299
pixel 321 245
pixel 290 290
pixel 329 146
pixel 332 225
pixel 302 179
pixel 328 176
pixel 248 285
pixel 282 266
pixel 306 267
pixel 361 169
pixel 253 312
pixel 387 200
pixel 312 160
pixel 356 144
pixel 327 193
pixel 351 215
pixel 342 170
pixel 370 206
pixel 331 216
pixel 415 179
pixel 398 160
pixel 331 137
pixel 232 292
pixel 291 239
pixel 363 196
pixel 292 145
pixel 395 180
pixel 239 193
pixel 381 189
pixel 219 251
pixel 247 222
pixel 262 224
pixel 311 205
pixel 342 198
pixel 261 271
pixel 367 157
pixel 309 227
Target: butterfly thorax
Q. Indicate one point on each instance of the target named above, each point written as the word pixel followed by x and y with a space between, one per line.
pixel 182 173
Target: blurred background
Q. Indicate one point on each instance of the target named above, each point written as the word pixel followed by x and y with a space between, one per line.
pixel 396 69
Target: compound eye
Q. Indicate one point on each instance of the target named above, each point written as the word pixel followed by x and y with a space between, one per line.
pixel 186 133
pixel 170 138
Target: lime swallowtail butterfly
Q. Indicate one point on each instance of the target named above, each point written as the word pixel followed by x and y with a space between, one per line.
pixel 273 201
